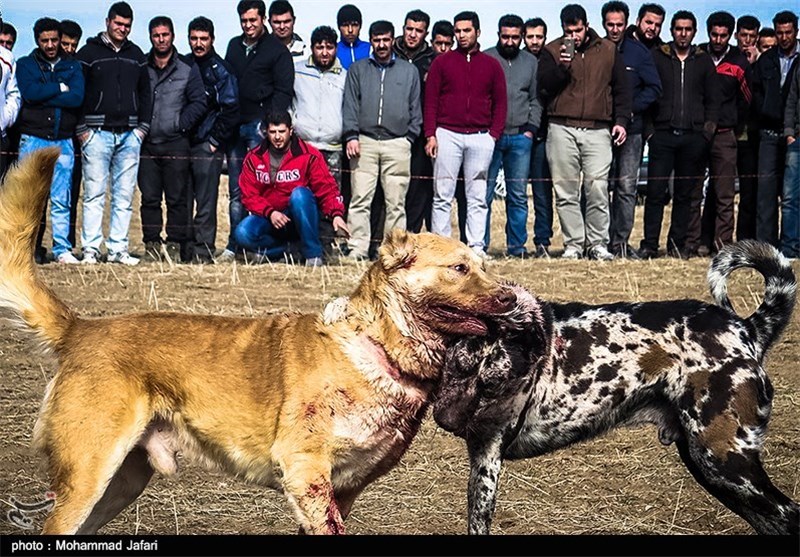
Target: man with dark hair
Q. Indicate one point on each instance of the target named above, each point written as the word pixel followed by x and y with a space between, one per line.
pixel 589 109
pixel 535 38
pixel 465 114
pixel 71 34
pixel 350 48
pixel 179 102
pixel 747 28
pixel 685 120
pixel 282 21
pixel 766 40
pixel 648 25
pixel 52 88
pixel 773 75
pixel 10 102
pixel 513 151
pixel 211 136
pixel 412 47
pixel 317 107
pixel 646 89
pixel 442 37
pixel 286 187
pixel 8 35
pixel 117 109
pixel 733 90
pixel 265 72
pixel 380 125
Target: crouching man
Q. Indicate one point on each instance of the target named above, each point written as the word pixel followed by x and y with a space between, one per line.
pixel 287 187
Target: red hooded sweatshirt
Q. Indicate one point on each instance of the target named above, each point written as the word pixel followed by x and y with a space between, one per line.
pixel 465 93
pixel 302 165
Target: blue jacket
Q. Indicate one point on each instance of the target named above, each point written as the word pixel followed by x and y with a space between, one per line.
pixel 47 112
pixel 645 83
pixel 347 54
pixel 222 99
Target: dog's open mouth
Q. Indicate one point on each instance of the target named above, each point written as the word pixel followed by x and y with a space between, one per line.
pixel 455 320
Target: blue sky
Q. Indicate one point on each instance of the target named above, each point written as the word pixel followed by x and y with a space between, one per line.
pixel 311 13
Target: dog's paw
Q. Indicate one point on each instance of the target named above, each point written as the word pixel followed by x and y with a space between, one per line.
pixel 336 310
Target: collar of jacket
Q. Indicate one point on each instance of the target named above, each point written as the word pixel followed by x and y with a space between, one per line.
pixel 151 61
pixel 593 39
pixel 399 47
pixel 464 53
pixel 201 59
pixel 103 40
pixel 296 146
pixel 667 50
pixel 37 55
pixel 335 68
pixel 389 63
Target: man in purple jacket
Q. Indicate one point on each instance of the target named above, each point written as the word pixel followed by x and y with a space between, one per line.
pixel 465 114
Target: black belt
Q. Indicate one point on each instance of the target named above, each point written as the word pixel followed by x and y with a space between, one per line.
pixel 680 131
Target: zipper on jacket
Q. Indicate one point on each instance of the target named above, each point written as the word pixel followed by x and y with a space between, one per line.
pixel 683 92
pixel 380 103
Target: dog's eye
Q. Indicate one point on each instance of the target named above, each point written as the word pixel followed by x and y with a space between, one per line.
pixel 461 268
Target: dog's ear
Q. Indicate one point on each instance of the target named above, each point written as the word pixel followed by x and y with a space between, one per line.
pixel 398 250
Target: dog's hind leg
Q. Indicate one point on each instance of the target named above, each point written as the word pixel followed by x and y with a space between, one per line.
pixel 126 485
pixel 485 461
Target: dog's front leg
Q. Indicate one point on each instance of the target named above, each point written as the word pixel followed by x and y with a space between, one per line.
pixel 307 485
pixel 485 460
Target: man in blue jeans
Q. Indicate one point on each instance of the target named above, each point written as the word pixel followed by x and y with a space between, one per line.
pixel 52 86
pixel 513 150
pixel 287 187
pixel 790 199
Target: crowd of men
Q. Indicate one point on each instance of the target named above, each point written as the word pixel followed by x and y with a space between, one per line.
pixel 332 142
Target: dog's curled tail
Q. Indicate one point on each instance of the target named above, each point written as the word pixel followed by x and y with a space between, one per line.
pixel 774 313
pixel 23 195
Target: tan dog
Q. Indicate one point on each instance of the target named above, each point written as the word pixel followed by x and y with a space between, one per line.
pixel 286 401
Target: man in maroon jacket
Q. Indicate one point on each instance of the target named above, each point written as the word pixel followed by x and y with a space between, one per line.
pixel 286 186
pixel 465 113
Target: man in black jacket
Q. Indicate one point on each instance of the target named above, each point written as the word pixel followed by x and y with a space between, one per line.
pixel 178 104
pixel 211 135
pixel 114 121
pixel 685 119
pixel 265 71
pixel 772 76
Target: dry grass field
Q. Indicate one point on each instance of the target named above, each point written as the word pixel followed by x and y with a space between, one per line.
pixel 623 483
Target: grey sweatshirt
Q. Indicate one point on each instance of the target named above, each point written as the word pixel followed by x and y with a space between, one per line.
pixel 524 109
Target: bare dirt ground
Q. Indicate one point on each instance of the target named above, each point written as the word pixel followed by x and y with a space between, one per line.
pixel 623 483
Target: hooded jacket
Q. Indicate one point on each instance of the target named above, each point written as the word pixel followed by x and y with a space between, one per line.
pixel 47 112
pixel 302 166
pixel 690 98
pixel 117 86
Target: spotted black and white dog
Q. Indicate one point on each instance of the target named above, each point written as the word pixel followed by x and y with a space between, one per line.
pixel 551 375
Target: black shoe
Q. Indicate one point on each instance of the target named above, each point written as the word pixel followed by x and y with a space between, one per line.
pixel 40 256
pixel 542 252
pixel 647 253
pixel 624 251
pixel 682 253
pixel 517 255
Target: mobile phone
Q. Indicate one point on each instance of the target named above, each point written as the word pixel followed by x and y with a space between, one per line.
pixel 569 47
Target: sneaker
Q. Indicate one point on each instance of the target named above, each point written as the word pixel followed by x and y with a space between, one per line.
pixel 314 262
pixel 124 258
pixel 600 253
pixel 482 253
pixel 67 258
pixel 172 251
pixel 89 257
pixel 571 252
pixel 227 256
pixel 542 252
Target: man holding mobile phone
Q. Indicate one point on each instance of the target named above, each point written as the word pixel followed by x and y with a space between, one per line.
pixel 589 107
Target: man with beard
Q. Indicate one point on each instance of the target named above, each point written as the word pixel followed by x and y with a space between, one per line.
pixel 179 102
pixel 685 119
pixel 535 38
pixel 380 125
pixel 589 110
pixel 412 47
pixel 646 89
pixel 211 136
pixel 648 25
pixel 513 151
pixel 734 78
pixel 317 107
pixel 465 114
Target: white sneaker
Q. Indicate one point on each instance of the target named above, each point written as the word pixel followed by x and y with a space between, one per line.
pixel 571 252
pixel 314 262
pixel 89 257
pixel 124 258
pixel 600 253
pixel 67 258
pixel 227 256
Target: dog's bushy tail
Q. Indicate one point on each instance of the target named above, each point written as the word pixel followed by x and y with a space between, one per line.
pixel 774 313
pixel 23 195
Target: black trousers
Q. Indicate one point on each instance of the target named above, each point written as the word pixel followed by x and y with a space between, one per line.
pixel 747 168
pixel 206 168
pixel 685 155
pixel 164 174
pixel 771 166
pixel 419 198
